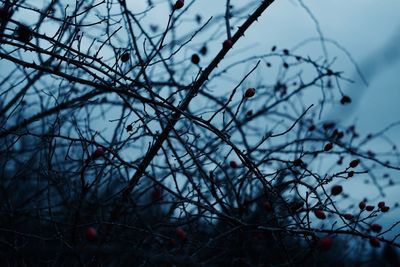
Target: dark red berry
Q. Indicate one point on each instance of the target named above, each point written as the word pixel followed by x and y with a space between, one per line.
pixel 227 44
pixel 295 206
pixel 91 233
pixel 381 204
pixel 345 100
pixel 325 243
pixel 376 227
pixel 181 233
pixel 350 174
pixel 385 209
pixel 297 162
pixel 4 14
pixel 374 242
pixel 125 57
pixel 328 147
pixel 179 4
pixel 250 92
pixel 233 164
pixel 157 193
pixel 203 50
pixel 362 205
pixel 129 128
pixel 336 190
pixel 195 59
pixel 354 163
pixel 328 125
pixel 267 206
pixel 24 34
pixel 369 208
pixel 320 214
pixel 99 152
pixel 348 216
pixel 285 52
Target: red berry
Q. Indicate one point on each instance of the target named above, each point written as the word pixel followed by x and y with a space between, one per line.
pixel 348 216
pixel 4 14
pixel 350 174
pixel 91 233
pixel 369 208
pixel 336 190
pixel 376 227
pixel 374 242
pixel 156 195
pixel 385 209
pixel 328 147
pixel 320 214
pixel 195 59
pixel 203 50
pixel 179 4
pixel 125 57
pixel 295 206
pixel 381 204
pixel 267 206
pixel 227 44
pixel 345 100
pixel 24 34
pixel 99 152
pixel 297 162
pixel 325 243
pixel 362 205
pixel 328 125
pixel 285 51
pixel 250 92
pixel 354 163
pixel 233 164
pixel 181 234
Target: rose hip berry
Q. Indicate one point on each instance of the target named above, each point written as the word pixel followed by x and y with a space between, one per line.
pixel 385 209
pixel 320 214
pixel 376 227
pixel 297 162
pixel 325 243
pixel 99 152
pixel 125 57
pixel 195 59
pixel 227 44
pixel 179 4
pixel 233 164
pixel 91 233
pixel 181 234
pixel 374 242
pixel 348 216
pixel 354 163
pixel 369 208
pixel 267 206
pixel 328 147
pixel 336 190
pixel 345 100
pixel 250 92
